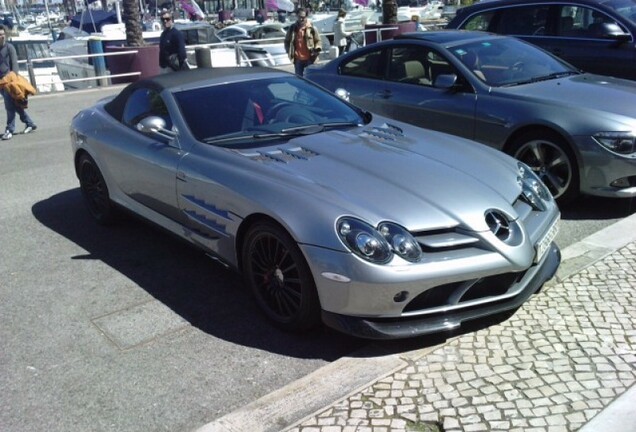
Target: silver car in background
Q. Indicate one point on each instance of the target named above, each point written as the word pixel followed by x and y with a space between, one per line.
pixel 575 130
pixel 379 228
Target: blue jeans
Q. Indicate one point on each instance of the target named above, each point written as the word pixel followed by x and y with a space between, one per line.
pixel 12 108
pixel 300 65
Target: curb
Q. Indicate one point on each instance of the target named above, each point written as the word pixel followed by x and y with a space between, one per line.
pixel 291 405
pixel 619 416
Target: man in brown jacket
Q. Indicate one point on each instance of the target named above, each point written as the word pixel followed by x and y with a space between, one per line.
pixel 9 63
pixel 302 43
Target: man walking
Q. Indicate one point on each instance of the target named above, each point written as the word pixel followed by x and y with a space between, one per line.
pixel 8 64
pixel 302 43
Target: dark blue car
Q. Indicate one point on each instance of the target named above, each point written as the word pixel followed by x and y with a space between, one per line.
pixel 595 36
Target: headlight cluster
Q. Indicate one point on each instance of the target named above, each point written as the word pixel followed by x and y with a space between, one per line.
pixel 378 245
pixel 532 188
pixel 621 143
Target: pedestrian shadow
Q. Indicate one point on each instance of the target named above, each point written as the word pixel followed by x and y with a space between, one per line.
pixel 198 289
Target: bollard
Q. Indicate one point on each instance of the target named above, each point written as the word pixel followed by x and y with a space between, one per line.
pixel 99 63
pixel 203 57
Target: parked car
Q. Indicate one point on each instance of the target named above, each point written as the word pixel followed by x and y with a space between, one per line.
pixel 380 228
pixel 597 36
pixel 575 130
pixel 269 31
pixel 236 32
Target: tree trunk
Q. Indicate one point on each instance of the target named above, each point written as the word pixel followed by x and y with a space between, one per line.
pixel 389 12
pixel 132 19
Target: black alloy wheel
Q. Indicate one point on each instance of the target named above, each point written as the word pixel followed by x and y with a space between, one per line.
pixel 95 191
pixel 279 277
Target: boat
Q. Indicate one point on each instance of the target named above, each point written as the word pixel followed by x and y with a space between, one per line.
pixel 33 61
pixel 77 70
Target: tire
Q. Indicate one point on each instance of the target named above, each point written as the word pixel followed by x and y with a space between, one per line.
pixel 95 191
pixel 549 157
pixel 280 280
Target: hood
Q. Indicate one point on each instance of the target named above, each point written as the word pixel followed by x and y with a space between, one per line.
pixel 419 179
pixel 602 93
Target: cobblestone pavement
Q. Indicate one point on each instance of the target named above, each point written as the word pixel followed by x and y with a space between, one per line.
pixel 557 362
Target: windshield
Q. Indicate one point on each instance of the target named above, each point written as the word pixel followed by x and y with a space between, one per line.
pixel 505 61
pixel 249 113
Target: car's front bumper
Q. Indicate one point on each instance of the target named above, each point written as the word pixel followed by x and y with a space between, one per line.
pixel 604 173
pixel 410 326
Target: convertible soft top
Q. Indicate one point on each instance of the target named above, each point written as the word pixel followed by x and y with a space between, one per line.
pixel 166 81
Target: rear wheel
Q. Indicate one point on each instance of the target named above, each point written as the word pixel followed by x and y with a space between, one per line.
pixel 550 158
pixel 278 275
pixel 95 191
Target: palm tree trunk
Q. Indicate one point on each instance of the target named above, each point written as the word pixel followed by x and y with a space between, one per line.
pixel 132 19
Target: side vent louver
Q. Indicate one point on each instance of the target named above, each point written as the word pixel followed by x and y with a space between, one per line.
pixel 284 155
pixel 385 132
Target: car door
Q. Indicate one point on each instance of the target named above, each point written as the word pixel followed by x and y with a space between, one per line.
pixel 362 76
pixel 589 39
pixel 408 93
pixel 144 165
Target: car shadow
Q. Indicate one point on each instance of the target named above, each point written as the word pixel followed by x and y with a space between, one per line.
pixel 203 292
pixel 210 297
pixel 598 208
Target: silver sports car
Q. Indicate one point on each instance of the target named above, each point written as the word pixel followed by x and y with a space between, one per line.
pixel 378 228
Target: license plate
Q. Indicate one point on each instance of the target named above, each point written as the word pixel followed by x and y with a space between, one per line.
pixel 544 244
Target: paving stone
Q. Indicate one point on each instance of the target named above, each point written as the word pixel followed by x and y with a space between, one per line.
pixel 560 359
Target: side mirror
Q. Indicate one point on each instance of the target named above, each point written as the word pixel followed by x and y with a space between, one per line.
pixel 613 31
pixel 445 81
pixel 342 94
pixel 157 126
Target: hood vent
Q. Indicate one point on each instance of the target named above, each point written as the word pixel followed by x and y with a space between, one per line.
pixel 284 155
pixel 385 132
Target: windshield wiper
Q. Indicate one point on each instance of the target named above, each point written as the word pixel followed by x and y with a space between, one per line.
pixel 227 139
pixel 291 131
pixel 542 78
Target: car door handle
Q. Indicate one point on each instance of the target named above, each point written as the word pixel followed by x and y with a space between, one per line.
pixel 385 94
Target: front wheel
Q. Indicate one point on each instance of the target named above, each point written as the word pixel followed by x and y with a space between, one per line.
pixel 550 158
pixel 278 275
pixel 95 191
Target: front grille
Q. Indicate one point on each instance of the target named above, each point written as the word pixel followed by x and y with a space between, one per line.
pixel 456 293
pixel 444 240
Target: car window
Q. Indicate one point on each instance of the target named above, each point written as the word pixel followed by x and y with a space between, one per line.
pixel 507 61
pixel 479 22
pixel 523 20
pixel 409 64
pixel 584 22
pixel 144 103
pixel 367 65
pixel 438 65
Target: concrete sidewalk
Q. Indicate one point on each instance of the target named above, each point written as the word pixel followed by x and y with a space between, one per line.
pixel 566 360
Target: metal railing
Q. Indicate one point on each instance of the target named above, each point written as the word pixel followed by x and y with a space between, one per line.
pixel 103 76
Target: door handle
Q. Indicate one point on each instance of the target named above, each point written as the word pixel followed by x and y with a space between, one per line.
pixel 385 94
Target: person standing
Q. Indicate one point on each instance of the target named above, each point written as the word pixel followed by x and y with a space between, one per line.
pixel 302 43
pixel 172 52
pixel 8 64
pixel 340 36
